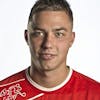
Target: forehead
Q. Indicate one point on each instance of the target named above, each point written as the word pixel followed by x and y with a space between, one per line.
pixel 51 18
pixel 52 14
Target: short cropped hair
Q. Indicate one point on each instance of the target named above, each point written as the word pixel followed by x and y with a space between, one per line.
pixel 51 5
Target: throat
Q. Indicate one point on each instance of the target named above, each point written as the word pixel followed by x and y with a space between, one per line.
pixel 50 79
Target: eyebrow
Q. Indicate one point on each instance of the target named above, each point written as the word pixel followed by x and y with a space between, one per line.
pixel 55 29
pixel 59 29
pixel 37 28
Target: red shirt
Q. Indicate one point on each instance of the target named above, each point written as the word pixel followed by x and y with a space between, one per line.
pixel 75 87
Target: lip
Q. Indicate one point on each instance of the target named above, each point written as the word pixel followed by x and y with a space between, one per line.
pixel 47 56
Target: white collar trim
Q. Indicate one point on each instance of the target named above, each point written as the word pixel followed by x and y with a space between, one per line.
pixel 48 89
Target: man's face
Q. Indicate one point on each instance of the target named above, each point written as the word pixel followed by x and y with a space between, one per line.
pixel 49 37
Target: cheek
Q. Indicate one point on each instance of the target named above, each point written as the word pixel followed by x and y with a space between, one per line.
pixel 35 45
pixel 63 48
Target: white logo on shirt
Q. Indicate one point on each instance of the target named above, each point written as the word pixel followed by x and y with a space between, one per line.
pixel 12 92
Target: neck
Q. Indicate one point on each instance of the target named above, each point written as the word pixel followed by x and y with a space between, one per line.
pixel 49 79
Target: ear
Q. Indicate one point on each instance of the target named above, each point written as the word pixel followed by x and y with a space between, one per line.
pixel 26 36
pixel 72 38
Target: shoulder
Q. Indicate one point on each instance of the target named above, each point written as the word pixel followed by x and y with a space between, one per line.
pixel 13 86
pixel 15 77
pixel 86 82
pixel 81 77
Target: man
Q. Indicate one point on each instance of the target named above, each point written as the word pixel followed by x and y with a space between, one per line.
pixel 49 36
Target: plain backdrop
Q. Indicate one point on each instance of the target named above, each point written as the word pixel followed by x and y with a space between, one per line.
pixel 84 56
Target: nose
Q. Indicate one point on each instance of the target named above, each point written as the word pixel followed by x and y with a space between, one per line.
pixel 47 42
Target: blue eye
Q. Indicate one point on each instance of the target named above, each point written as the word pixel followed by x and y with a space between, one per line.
pixel 59 34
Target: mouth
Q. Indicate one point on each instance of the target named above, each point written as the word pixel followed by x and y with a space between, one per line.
pixel 47 56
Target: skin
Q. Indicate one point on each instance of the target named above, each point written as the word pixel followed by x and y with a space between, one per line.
pixel 49 37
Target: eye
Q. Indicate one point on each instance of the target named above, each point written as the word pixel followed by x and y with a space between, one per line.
pixel 59 34
pixel 38 34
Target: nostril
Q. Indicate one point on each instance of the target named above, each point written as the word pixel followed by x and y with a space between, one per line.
pixel 46 45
